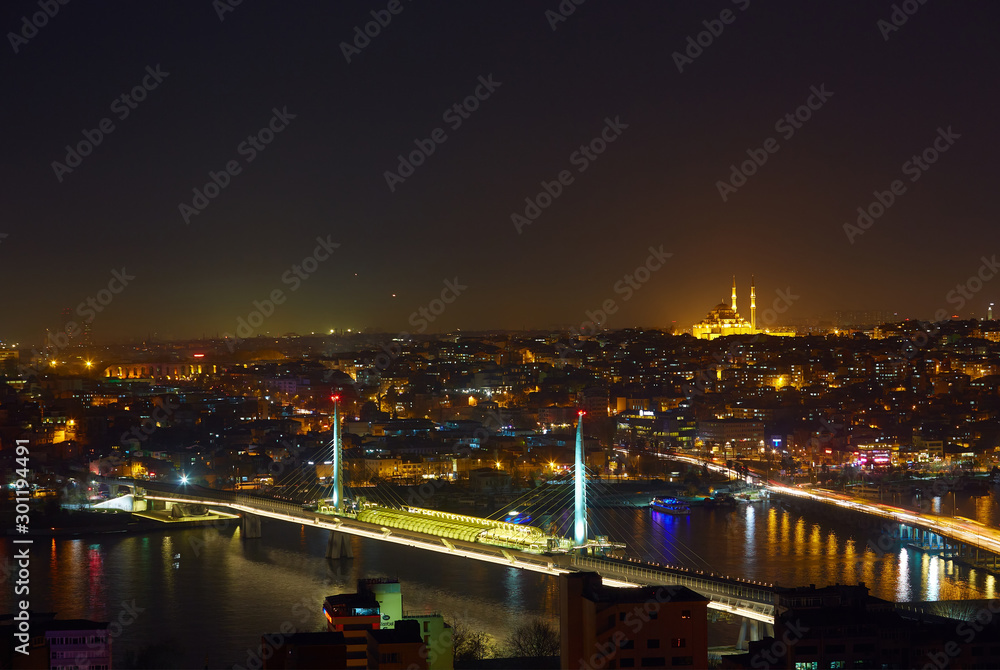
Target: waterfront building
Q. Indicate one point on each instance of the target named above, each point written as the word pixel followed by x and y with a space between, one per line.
pixel 398 648
pixel 377 608
pixel 639 627
pixel 304 650
pixel 353 614
pixel 59 644
pixel 842 626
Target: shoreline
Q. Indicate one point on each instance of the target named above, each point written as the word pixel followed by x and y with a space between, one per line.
pixel 130 527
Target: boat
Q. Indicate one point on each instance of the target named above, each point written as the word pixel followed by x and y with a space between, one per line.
pixel 669 506
pixel 720 500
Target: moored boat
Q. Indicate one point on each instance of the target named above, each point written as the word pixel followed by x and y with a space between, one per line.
pixel 669 506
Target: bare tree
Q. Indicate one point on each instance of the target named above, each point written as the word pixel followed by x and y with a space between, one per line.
pixel 470 644
pixel 532 639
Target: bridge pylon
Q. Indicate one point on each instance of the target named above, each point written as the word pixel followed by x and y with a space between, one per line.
pixel 579 487
pixel 338 470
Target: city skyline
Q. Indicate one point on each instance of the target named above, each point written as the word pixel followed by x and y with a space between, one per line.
pixel 558 334
pixel 542 170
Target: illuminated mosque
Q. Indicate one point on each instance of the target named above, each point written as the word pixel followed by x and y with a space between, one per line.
pixel 725 320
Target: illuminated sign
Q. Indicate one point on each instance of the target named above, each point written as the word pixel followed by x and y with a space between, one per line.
pixel 875 456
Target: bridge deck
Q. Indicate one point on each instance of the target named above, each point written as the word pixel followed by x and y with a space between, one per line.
pixel 955 529
pixel 743 598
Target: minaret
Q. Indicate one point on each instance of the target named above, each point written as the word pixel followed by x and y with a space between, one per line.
pixel 734 293
pixel 753 307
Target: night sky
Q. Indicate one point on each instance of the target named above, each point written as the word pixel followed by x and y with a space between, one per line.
pixel 608 67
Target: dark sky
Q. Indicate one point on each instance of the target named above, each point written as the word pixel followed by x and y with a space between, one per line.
pixel 655 185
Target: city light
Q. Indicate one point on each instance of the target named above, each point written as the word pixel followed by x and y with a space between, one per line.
pixel 732 442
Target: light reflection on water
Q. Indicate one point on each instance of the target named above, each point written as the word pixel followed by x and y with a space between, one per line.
pixel 749 545
pixel 903 572
pixel 798 549
pixel 222 593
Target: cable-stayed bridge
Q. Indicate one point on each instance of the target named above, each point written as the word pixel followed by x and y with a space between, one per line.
pixel 567 547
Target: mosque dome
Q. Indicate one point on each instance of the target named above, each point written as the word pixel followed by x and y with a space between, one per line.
pixel 723 319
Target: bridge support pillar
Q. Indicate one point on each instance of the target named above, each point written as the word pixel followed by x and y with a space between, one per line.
pixel 250 525
pixel 752 630
pixel 339 545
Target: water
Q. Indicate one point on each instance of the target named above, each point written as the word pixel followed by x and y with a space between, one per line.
pixel 213 595
pixel 210 595
pixel 770 544
pixel 985 509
